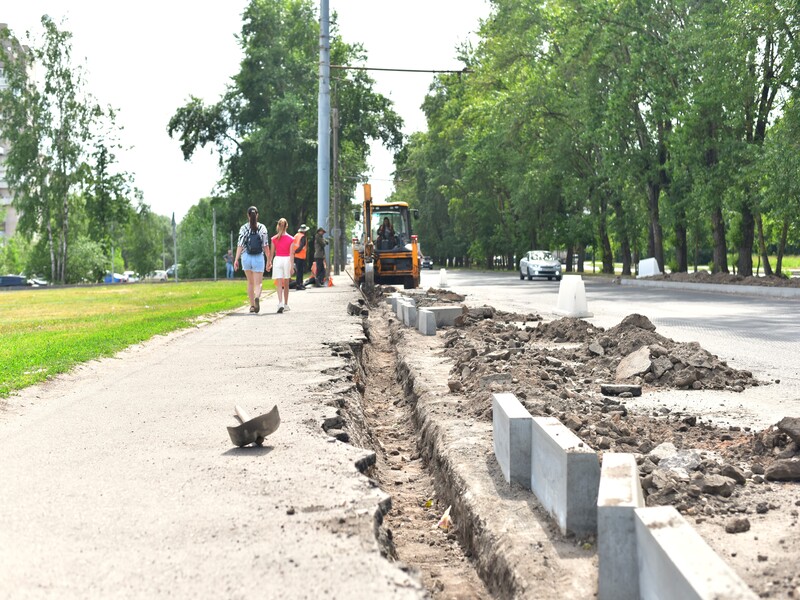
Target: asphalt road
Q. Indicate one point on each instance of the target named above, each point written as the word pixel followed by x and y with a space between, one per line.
pixel 753 333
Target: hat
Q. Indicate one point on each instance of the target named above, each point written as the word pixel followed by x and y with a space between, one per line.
pixel 252 210
pixel 303 228
pixel 322 229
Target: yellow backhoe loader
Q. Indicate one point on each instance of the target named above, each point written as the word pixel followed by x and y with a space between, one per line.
pixel 388 251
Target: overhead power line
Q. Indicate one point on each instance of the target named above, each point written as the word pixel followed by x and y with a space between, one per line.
pixel 352 68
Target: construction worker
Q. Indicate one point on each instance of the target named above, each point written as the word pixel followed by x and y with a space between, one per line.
pixel 300 247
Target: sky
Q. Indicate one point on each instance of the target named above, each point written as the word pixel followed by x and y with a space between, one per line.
pixel 146 59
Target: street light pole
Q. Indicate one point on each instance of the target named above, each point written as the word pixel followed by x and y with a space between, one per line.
pixel 175 246
pixel 324 121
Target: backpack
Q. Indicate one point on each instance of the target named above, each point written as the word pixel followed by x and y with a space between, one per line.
pixel 254 244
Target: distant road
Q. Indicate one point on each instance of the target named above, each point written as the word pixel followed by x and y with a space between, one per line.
pixel 754 333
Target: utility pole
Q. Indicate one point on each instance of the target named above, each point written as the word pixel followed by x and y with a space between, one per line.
pixel 214 235
pixel 112 253
pixel 175 246
pixel 337 232
pixel 324 120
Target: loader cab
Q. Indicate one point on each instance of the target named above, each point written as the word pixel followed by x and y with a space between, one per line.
pixel 390 227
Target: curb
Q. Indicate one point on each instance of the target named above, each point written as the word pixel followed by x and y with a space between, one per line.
pixel 719 288
pixel 517 548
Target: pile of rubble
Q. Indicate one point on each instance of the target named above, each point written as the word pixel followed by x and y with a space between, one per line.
pixel 569 369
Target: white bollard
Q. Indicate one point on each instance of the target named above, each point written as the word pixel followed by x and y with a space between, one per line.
pixel 572 297
pixel 442 278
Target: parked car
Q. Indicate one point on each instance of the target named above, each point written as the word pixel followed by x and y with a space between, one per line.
pixel 171 270
pixel 539 263
pixel 34 281
pixel 131 276
pixel 157 275
pixel 426 262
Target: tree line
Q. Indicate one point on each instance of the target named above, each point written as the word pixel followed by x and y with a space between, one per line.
pixel 77 206
pixel 628 129
pixel 79 212
pixel 646 128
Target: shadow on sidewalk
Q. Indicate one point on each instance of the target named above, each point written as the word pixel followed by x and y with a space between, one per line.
pixel 249 451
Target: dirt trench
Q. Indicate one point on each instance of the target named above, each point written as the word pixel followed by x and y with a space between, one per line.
pixel 410 530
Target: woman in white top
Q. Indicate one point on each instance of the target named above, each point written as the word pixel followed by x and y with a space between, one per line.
pixel 280 260
pixel 252 247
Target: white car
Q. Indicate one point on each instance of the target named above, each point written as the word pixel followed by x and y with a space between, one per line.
pixel 156 276
pixel 539 263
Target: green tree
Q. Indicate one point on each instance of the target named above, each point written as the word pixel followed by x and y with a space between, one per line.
pixel 264 127
pixel 47 125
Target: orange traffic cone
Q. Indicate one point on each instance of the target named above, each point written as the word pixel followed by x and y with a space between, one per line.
pixel 330 281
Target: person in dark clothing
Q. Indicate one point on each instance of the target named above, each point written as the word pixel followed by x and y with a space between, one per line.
pixel 319 257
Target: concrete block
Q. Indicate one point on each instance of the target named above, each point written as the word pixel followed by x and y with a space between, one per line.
pixel 393 300
pixel 565 475
pixel 445 315
pixel 675 562
pixel 619 494
pixel 426 322
pixel 511 430
pixel 408 314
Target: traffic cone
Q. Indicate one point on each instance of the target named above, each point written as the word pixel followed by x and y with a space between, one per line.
pixel 330 281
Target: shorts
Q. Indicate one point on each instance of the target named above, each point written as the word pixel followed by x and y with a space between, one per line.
pixel 281 268
pixel 253 262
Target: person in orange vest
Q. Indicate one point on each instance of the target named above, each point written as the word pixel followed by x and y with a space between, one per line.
pixel 300 248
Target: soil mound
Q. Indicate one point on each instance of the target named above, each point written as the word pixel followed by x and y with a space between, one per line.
pixel 728 279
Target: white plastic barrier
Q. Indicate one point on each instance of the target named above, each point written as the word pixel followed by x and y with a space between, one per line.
pixel 648 267
pixel 442 278
pixel 572 297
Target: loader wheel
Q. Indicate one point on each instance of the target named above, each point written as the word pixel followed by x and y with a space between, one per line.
pixel 409 283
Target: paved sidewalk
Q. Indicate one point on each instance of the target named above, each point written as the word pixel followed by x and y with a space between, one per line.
pixel 119 479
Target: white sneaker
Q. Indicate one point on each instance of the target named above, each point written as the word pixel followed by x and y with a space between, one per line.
pixel 280 308
pixel 285 308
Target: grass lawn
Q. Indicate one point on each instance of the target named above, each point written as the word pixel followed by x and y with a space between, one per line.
pixel 48 331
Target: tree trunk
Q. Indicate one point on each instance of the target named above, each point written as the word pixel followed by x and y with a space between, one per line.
pixel 53 266
pixel 653 193
pixel 624 241
pixel 747 232
pixel 782 247
pixel 720 247
pixel 762 247
pixel 570 258
pixel 681 246
pixel 602 233
pixel 65 240
pixel 581 257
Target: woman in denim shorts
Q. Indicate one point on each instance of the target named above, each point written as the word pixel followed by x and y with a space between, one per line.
pixel 252 247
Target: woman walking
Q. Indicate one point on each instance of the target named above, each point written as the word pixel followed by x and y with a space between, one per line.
pixel 253 244
pixel 281 261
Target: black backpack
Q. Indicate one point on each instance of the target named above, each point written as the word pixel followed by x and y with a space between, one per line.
pixel 254 245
